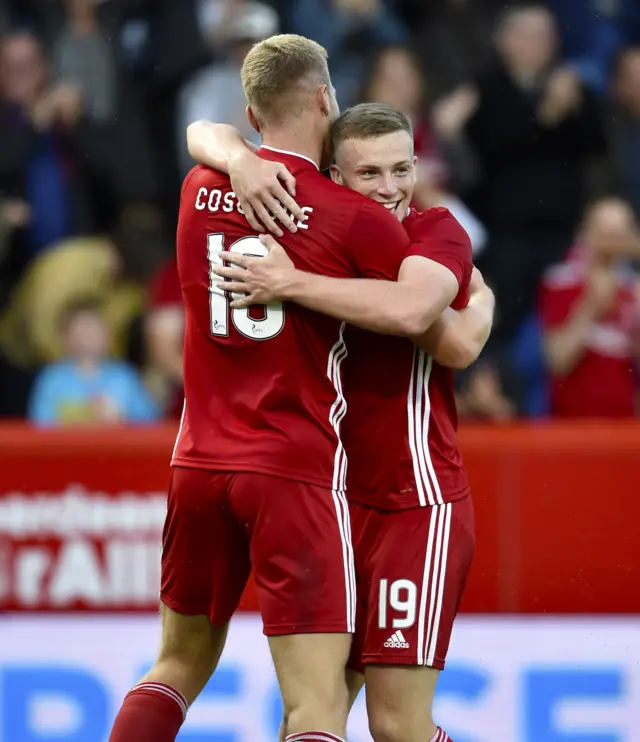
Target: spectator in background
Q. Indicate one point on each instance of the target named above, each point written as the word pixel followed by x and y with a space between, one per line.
pixel 115 138
pixel 455 37
pixel 215 92
pixel 87 386
pixel 591 32
pixel 164 338
pixel 625 125
pixel 481 395
pixel 445 161
pixel 39 161
pixel 533 128
pixel 83 55
pixel 111 270
pixel 590 308
pixel 348 30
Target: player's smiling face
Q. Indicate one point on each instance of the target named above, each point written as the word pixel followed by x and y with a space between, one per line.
pixel 383 169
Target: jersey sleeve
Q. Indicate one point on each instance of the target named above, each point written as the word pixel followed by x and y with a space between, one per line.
pixel 439 236
pixel 376 242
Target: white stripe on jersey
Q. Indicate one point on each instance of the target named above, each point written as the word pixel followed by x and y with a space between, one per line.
pixel 433 583
pixel 175 445
pixel 419 414
pixel 338 409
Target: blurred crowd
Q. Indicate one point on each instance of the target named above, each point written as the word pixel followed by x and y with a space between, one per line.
pixel 527 125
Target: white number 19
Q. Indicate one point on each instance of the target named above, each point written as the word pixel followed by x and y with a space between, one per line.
pixel 393 597
pixel 258 329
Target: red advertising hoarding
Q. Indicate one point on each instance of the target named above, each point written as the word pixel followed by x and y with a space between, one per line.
pixel 557 509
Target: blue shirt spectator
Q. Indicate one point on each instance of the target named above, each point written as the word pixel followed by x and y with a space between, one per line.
pixel 64 393
pixel 87 386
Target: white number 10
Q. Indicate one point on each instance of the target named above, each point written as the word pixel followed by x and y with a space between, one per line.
pixel 393 597
pixel 258 329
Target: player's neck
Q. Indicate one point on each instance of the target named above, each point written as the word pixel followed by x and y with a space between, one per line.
pixel 296 142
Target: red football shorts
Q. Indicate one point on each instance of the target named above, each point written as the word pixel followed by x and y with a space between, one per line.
pixel 411 570
pixel 295 537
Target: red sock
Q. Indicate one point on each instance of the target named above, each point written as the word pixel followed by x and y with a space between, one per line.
pixel 313 737
pixel 151 712
pixel 441 736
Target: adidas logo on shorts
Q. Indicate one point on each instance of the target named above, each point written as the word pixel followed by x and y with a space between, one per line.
pixel 396 641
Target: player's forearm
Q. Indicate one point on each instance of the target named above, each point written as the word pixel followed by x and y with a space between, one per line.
pixel 564 347
pixel 219 146
pixel 456 339
pixel 386 307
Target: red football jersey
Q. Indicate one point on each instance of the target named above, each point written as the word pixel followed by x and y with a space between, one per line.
pixel 400 432
pixel 263 390
pixel 604 382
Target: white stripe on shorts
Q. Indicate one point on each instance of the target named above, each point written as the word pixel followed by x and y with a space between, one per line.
pixel 433 583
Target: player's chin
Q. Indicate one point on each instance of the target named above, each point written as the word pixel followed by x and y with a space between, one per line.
pixel 403 209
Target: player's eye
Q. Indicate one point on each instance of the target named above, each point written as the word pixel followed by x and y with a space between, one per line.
pixel 402 171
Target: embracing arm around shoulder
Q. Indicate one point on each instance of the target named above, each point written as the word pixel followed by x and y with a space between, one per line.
pixel 405 307
pixel 265 189
pixel 216 145
pixel 376 246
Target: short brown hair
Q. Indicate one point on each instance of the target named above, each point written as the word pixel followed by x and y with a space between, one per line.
pixel 369 121
pixel 274 73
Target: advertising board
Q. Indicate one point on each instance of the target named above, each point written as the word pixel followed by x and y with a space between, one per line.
pixel 507 680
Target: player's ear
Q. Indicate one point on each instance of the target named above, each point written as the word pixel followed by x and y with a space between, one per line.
pixel 336 175
pixel 252 119
pixel 414 164
pixel 324 99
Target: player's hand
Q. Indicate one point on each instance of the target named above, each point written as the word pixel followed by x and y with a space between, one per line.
pixel 266 191
pixel 263 280
pixel 602 285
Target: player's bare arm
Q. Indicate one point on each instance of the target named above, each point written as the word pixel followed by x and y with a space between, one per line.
pixel 407 307
pixel 265 190
pixel 456 339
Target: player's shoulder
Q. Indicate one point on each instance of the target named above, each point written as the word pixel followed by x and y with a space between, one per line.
pixel 202 176
pixel 437 221
pixel 438 215
pixel 344 210
pixel 331 194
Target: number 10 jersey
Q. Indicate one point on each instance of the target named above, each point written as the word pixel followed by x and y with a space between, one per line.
pixel 263 388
